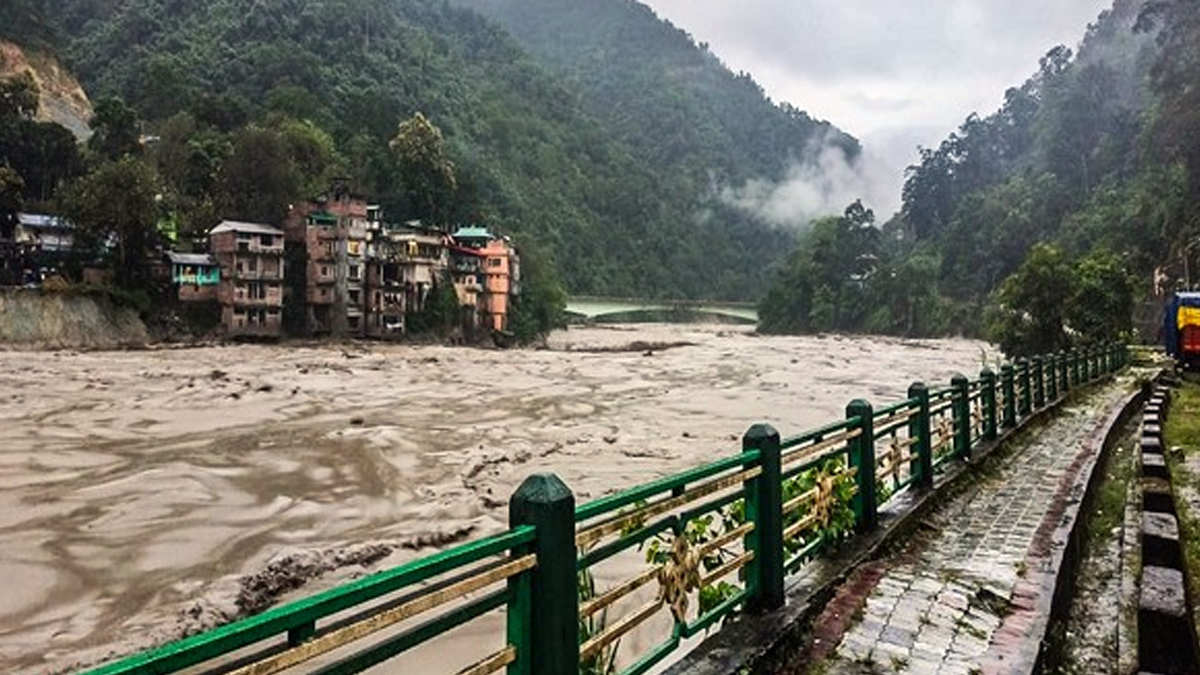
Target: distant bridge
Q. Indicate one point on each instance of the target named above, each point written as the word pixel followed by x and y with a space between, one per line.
pixel 598 308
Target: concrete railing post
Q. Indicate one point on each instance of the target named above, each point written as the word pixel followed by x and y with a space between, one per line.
pixel 987 381
pixel 862 458
pixel 1051 369
pixel 1026 403
pixel 920 428
pixel 1009 414
pixel 546 503
pixel 961 405
pixel 764 508
pixel 1039 384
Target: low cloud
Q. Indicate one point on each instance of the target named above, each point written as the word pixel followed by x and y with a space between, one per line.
pixel 820 187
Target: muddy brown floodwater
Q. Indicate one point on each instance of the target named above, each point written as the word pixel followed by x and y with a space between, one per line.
pixel 145 495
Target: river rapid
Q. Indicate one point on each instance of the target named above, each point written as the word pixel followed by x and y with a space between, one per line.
pixel 145 495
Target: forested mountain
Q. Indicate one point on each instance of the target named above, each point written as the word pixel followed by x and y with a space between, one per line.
pixel 671 99
pixel 1083 184
pixel 621 196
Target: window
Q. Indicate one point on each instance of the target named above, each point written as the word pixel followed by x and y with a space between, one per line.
pixel 267 240
pixel 354 272
pixel 354 247
pixel 354 297
pixel 494 262
pixel 324 270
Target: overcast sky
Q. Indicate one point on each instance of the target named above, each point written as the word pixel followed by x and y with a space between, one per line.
pixel 894 73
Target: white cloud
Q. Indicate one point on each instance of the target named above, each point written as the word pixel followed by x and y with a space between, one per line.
pixel 822 187
pixel 893 69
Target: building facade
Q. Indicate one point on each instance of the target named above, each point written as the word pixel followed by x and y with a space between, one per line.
pixel 327 240
pixel 250 289
pixel 194 276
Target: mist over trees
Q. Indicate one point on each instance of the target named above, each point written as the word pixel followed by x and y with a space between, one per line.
pixel 1038 225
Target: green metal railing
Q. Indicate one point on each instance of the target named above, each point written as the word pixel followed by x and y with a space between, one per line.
pixel 706 542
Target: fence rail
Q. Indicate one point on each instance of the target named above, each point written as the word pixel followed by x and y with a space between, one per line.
pixel 710 540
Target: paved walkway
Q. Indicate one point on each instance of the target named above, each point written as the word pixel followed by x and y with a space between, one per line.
pixel 971 592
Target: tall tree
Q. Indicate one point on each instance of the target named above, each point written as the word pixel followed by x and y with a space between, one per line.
pixel 259 180
pixel 424 167
pixel 115 129
pixel 1029 317
pixel 115 212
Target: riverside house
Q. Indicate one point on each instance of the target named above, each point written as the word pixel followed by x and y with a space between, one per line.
pixel 194 276
pixel 251 285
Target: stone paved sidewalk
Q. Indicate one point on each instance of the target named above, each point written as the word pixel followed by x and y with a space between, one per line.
pixel 971 592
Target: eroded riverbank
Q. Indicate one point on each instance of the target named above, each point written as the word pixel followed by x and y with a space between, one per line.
pixel 150 494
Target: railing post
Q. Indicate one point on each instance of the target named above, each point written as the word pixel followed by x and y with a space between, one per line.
pixel 552 631
pixel 764 508
pixel 1050 366
pixel 1064 375
pixel 862 458
pixel 1093 364
pixel 987 380
pixel 920 428
pixel 961 405
pixel 1009 414
pixel 1026 388
pixel 1039 385
pixel 1075 367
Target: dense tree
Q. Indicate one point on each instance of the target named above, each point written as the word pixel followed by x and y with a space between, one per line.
pixel 1030 315
pixel 825 285
pixel 115 129
pixel 540 305
pixel 427 173
pixel 41 154
pixel 611 164
pixel 258 181
pixel 1101 306
pixel 18 99
pixel 115 211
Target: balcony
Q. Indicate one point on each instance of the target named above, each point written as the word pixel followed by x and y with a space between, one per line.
pixel 258 275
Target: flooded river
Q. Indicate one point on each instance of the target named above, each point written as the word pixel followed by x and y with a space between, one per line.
pixel 145 495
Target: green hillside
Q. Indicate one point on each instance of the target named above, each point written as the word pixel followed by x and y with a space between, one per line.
pixel 1041 222
pixel 621 197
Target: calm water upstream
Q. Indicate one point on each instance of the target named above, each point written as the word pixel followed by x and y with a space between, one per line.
pixel 139 491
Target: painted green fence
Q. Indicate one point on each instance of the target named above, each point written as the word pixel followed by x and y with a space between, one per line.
pixel 710 541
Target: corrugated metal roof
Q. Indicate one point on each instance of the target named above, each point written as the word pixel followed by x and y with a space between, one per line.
pixel 250 228
pixel 42 220
pixel 191 258
pixel 473 233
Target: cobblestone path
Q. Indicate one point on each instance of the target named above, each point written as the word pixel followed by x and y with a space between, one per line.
pixel 970 593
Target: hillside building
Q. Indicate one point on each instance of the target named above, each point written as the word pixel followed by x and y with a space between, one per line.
pixel 194 276
pixel 327 240
pixel 250 289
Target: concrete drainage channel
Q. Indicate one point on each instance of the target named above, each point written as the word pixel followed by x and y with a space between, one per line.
pixel 1166 639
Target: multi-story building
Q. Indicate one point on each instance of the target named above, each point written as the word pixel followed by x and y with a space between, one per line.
pixel 250 290
pixel 497 266
pixel 327 240
pixel 405 262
